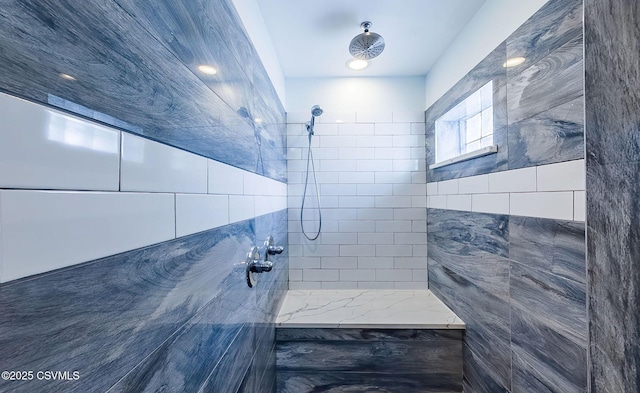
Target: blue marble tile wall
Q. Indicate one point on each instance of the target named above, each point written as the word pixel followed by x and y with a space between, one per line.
pixel 135 67
pixel 369 360
pixel 612 103
pixel 519 283
pixel 535 122
pixel 176 316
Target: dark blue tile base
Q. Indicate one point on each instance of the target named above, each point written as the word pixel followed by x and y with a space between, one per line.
pixel 532 308
pixel 177 315
pixel 369 360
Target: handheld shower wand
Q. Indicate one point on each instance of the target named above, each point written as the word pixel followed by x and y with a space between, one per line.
pixel 315 112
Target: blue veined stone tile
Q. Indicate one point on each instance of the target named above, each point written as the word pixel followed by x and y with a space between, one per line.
pixel 552 26
pixel 437 351
pixel 613 237
pixel 419 336
pixel 544 358
pixel 189 31
pixel 291 382
pixel 555 135
pixel 486 314
pixel 478 376
pixel 554 80
pixel 552 301
pixel 466 233
pixel 611 81
pixel 104 317
pixel 556 247
pixel 229 373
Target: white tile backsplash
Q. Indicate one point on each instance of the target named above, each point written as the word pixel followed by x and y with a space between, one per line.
pixel 517 180
pixel 448 187
pixel 555 205
pixel 459 202
pixel 196 212
pixel 374 117
pixel 490 203
pixel 47 230
pixel 41 148
pixel 150 166
pixel 474 184
pixel 241 207
pixel 225 179
pixel 579 206
pixel 564 176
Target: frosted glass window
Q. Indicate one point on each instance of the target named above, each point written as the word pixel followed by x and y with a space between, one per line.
pixel 466 127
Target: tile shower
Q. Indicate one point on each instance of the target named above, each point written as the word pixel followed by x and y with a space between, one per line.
pixel 147 292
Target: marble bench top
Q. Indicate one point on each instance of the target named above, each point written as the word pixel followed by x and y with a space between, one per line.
pixel 360 308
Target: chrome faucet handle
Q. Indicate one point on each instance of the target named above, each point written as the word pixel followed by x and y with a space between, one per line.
pixel 270 248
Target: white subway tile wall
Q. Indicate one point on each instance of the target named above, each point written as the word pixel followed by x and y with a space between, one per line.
pixel 373 164
pixel 554 191
pixel 72 190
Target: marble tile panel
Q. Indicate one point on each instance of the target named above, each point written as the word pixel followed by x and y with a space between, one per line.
pixel 478 376
pixel 366 309
pixel 185 361
pixel 552 26
pixel 541 295
pixel 363 383
pixel 359 350
pixel 551 136
pixel 611 71
pixel 487 332
pixel 229 373
pixel 613 236
pixel 542 356
pixel 556 247
pixel 535 89
pixel 612 36
pixel 466 233
pixel 107 316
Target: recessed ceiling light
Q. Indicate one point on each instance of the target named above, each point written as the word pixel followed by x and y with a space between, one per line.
pixel 67 77
pixel 514 61
pixel 357 64
pixel 207 69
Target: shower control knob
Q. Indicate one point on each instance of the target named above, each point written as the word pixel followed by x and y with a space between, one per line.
pixel 270 248
pixel 273 250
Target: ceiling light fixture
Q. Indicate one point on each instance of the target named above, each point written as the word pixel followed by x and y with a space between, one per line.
pixel 357 64
pixel 207 69
pixel 514 61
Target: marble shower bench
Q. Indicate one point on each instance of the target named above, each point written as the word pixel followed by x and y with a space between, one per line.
pixel 404 341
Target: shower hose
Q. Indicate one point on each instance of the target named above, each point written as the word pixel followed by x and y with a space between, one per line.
pixel 304 194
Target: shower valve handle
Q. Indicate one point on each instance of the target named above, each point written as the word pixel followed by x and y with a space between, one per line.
pixel 273 250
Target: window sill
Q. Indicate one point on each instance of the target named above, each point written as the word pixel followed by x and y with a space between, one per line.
pixel 485 151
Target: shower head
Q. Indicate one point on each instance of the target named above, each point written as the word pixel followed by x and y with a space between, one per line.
pixel 366 45
pixel 316 111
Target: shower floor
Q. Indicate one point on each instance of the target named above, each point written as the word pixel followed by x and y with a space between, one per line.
pixel 361 308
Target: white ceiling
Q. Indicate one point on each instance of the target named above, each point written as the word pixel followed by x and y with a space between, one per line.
pixel 311 38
